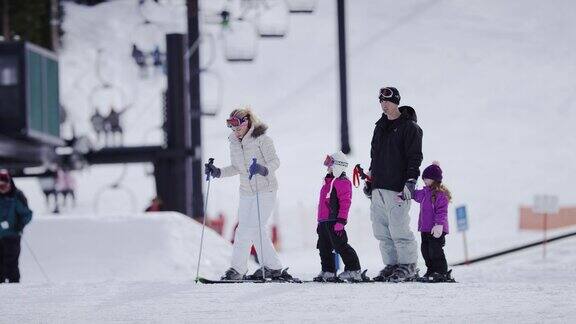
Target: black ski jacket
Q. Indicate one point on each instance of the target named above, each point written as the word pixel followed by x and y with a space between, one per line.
pixel 396 152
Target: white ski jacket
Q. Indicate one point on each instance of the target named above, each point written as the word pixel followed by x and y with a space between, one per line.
pixel 255 144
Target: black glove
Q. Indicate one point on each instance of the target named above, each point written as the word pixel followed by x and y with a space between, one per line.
pixel 211 170
pixel 408 191
pixel 367 189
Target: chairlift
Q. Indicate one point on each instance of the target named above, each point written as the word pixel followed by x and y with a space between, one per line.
pixel 114 192
pixel 147 36
pixel 301 6
pixel 161 12
pixel 105 96
pixel 212 99
pixel 273 19
pixel 240 41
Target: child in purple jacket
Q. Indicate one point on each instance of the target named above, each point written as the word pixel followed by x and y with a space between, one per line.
pixel 333 206
pixel 433 224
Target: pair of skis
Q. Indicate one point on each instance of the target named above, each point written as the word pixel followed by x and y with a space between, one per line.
pixel 268 280
pixel 284 277
pixel 365 279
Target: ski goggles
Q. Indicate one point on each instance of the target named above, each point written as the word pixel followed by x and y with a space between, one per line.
pixel 235 122
pixel 329 161
pixel 385 93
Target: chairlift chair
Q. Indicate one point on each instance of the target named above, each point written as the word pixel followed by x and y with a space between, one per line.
pixel 273 19
pixel 240 41
pixel 301 6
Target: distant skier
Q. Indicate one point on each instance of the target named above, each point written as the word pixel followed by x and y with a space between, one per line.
pixel 157 59
pixel 333 206
pixel 66 186
pixel 247 141
pixel 396 156
pixel 140 59
pixel 14 215
pixel 114 127
pixel 433 223
pixel 48 185
pixel 98 124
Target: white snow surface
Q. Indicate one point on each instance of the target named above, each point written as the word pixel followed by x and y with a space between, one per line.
pixel 491 81
pixel 517 289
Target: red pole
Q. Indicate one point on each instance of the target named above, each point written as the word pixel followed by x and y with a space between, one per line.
pixel 545 236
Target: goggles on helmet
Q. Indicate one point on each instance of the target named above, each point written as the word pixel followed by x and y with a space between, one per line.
pixel 329 161
pixel 235 122
pixel 385 93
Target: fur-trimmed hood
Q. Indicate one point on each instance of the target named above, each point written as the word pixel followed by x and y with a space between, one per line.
pixel 259 130
pixel 256 144
pixel 254 132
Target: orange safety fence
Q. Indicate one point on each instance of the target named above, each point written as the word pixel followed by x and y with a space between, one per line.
pixel 529 220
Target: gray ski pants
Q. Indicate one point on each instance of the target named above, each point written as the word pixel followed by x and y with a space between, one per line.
pixel 391 226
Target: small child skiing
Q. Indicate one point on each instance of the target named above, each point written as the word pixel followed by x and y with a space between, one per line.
pixel 433 224
pixel 333 206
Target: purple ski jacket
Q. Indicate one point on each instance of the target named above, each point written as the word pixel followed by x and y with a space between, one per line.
pixel 335 199
pixel 431 213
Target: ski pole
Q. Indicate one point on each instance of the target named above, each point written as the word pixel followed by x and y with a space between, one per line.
pixel 210 162
pixel 259 223
pixel 36 260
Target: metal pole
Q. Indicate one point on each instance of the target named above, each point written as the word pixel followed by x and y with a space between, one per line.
pixel 211 161
pixel 344 138
pixel 54 23
pixel 36 260
pixel 259 225
pixel 195 108
pixel 174 175
pixel 6 20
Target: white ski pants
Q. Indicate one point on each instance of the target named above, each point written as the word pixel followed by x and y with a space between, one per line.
pixel 391 226
pixel 248 232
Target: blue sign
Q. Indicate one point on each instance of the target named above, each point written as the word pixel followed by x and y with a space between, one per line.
pixel 461 219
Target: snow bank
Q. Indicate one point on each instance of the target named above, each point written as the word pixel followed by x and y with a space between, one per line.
pixel 140 247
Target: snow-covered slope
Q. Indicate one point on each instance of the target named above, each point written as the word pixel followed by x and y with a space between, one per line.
pixel 492 82
pixel 134 247
pixel 521 289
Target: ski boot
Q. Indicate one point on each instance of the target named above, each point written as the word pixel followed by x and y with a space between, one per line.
pixel 440 277
pixel 286 277
pixel 386 273
pixel 350 275
pixel 425 277
pixel 325 276
pixel 269 273
pixel 232 274
pixel 404 272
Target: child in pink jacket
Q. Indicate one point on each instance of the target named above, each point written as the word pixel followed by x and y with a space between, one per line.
pixel 333 206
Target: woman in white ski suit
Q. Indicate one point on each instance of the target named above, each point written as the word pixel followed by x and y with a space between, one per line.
pixel 248 141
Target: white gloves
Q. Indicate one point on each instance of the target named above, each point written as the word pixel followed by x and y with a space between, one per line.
pixel 4 225
pixel 437 231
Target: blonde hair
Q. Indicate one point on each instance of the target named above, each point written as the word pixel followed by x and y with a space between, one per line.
pixel 440 187
pixel 247 112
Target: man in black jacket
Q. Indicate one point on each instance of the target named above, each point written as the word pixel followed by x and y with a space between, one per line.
pixel 396 156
